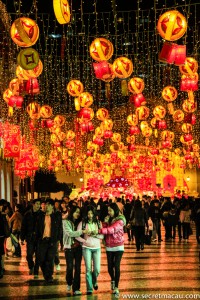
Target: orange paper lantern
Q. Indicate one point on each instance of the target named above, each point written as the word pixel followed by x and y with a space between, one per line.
pixel 159 112
pixel 85 99
pixel 122 67
pixel 101 49
pixel 102 114
pixel 24 32
pixel 62 11
pixel 178 115
pixel 136 85
pixel 45 111
pixel 142 112
pixel 132 120
pixel 33 109
pixel 172 25
pixel 169 93
pixel 190 67
pixel 75 87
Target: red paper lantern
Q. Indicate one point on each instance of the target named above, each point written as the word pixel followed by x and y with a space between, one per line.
pixel 131 147
pixel 32 86
pixel 162 124
pixel 86 127
pixel 138 100
pixel 134 130
pixel 108 134
pixel 101 69
pixel 189 83
pixel 188 137
pixel 16 100
pixel 173 54
pixel 85 114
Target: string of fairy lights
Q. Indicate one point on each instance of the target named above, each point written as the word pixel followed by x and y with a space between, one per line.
pixel 64 51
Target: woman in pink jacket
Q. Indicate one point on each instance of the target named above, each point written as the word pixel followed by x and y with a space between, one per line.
pixel 113 229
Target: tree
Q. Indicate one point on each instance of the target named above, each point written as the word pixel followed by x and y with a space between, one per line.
pixel 47 183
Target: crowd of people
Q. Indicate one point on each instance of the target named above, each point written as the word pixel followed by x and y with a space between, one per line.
pixel 80 228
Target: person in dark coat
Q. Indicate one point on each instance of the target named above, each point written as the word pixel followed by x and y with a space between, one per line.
pixel 28 234
pixel 48 233
pixel 3 234
pixel 139 219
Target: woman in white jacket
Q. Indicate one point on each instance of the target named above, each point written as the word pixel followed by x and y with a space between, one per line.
pixel 91 247
pixel 73 249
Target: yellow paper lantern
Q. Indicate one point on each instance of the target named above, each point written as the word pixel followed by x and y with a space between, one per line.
pixel 132 120
pixel 45 111
pixel 102 114
pixel 169 93
pixel 85 99
pixel 101 49
pixel 24 32
pixel 107 124
pixel 159 112
pixel 136 85
pixel 59 121
pixel 33 109
pixel 147 132
pixel 144 125
pixel 172 25
pixel 130 139
pixel 167 135
pixel 7 94
pixel 116 138
pixel 186 127
pixel 62 11
pixel 189 106
pixel 154 122
pixel 75 87
pixel 123 67
pixel 178 115
pixel 142 112
pixel 34 73
pixel 70 135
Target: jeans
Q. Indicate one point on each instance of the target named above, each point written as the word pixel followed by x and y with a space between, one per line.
pixel 139 236
pixel 92 257
pixel 114 259
pixel 46 255
pixel 31 248
pixel 157 227
pixel 73 278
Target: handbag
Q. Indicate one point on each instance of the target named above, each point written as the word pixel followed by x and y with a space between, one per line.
pixel 147 239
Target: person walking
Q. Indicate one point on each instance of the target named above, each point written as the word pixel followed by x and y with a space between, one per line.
pixel 140 220
pixel 15 222
pixel 48 233
pixel 28 234
pixel 91 247
pixel 73 249
pixel 113 230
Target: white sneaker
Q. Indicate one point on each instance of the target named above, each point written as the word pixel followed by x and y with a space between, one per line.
pixel 69 287
pixel 77 293
pixel 57 267
pixel 116 291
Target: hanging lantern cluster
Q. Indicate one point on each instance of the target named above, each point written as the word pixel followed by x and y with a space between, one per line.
pixel 11 136
pixel 171 26
pixel 136 87
pixel 28 161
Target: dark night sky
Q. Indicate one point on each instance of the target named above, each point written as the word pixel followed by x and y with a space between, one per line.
pixel 46 6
